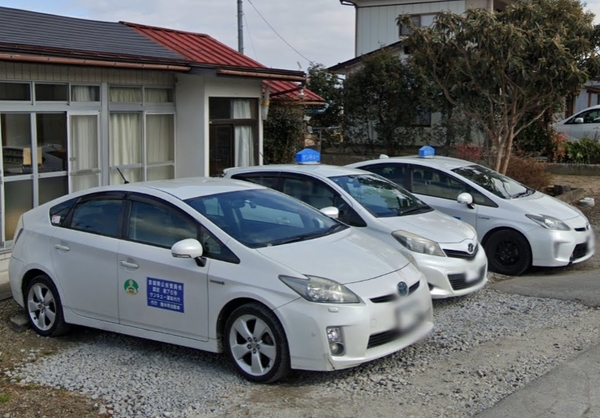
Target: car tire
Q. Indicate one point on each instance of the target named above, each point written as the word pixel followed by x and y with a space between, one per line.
pixel 508 252
pixel 44 308
pixel 256 344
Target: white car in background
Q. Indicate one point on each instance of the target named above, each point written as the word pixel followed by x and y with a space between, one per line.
pixel 445 250
pixel 582 124
pixel 518 226
pixel 218 265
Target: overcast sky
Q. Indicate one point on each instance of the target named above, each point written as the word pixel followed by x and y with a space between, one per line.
pixel 321 31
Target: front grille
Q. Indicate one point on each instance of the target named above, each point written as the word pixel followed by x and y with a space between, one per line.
pixel 462 254
pixel 459 281
pixel 579 251
pixel 382 338
pixel 393 296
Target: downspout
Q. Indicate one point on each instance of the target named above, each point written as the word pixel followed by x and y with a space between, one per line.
pixel 351 3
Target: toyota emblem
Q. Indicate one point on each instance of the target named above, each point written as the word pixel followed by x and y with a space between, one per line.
pixel 402 289
pixel 470 248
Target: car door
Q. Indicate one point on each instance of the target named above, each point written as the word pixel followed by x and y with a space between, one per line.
pixel 84 255
pixel 158 292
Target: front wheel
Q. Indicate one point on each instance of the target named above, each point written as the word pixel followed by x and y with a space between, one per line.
pixel 508 252
pixel 44 309
pixel 256 344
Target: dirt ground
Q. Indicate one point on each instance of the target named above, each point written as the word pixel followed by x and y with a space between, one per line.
pixel 34 401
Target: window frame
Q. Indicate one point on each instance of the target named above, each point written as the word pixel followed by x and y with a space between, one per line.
pixel 111 195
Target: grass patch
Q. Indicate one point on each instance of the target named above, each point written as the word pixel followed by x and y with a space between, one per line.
pixel 4 397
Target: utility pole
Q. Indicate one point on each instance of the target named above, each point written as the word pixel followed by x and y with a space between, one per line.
pixel 240 27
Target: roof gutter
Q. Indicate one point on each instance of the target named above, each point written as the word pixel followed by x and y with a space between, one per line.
pixel 261 75
pixel 347 3
pixel 90 63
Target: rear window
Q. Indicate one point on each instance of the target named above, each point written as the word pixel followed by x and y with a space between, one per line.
pixel 59 213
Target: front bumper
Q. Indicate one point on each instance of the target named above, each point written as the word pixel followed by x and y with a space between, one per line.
pixel 370 329
pixel 551 248
pixel 453 276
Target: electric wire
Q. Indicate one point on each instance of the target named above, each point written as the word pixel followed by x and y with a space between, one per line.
pixel 250 36
pixel 277 33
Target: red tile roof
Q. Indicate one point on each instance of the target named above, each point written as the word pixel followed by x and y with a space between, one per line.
pixel 204 49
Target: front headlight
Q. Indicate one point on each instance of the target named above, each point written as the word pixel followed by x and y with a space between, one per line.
pixel 549 222
pixel 320 290
pixel 418 244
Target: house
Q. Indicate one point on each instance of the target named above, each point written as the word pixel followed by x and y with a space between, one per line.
pixel 83 101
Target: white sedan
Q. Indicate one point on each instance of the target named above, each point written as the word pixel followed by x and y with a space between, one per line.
pixel 584 124
pixel 218 265
pixel 445 250
pixel 517 225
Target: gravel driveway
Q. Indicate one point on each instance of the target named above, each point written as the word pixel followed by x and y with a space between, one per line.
pixel 483 347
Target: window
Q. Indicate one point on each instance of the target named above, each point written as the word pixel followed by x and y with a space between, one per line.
pixel 85 93
pixel 437 184
pixel 59 213
pixel 308 190
pixel 154 95
pixel 160 146
pixel 591 116
pixel 98 216
pixel 15 91
pixel 405 31
pixel 397 173
pixel 215 249
pixel 159 225
pixel 267 180
pixel 51 92
pixel 126 147
pixel 423 118
pixel 125 94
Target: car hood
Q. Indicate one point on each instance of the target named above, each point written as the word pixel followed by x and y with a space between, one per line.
pixel 347 257
pixel 433 225
pixel 542 204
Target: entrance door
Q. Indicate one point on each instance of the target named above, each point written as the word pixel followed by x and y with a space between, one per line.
pixel 84 152
pixel 221 149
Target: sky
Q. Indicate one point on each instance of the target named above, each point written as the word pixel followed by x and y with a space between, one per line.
pixel 321 31
pixel 292 34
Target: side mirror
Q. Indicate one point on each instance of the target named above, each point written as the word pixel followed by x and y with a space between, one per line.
pixel 578 120
pixel 465 199
pixel 331 211
pixel 189 248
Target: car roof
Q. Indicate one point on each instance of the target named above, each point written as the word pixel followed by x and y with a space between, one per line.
pixel 447 163
pixel 322 170
pixel 183 188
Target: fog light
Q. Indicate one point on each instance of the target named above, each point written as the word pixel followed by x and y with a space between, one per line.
pixel 336 340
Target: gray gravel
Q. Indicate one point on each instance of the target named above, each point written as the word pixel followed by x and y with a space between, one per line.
pixel 483 347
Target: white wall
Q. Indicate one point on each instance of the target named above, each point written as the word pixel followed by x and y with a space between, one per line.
pixel 377 26
pixel 192 93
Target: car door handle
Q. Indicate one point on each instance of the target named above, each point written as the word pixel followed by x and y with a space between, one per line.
pixel 129 265
pixel 61 247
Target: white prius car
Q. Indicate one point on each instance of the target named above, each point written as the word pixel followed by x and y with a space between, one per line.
pixel 218 265
pixel 445 250
pixel 517 226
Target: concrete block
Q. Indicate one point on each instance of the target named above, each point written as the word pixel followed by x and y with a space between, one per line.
pixel 19 322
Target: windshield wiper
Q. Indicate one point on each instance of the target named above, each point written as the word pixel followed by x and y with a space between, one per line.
pixel 413 210
pixel 304 237
pixel 525 193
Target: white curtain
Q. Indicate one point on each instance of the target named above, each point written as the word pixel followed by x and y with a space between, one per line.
pixel 126 94
pixel 244 137
pixel 84 150
pixel 159 138
pixel 84 94
pixel 157 96
pixel 125 139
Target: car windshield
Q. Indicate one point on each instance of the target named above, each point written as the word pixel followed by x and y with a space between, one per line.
pixel 494 182
pixel 382 198
pixel 262 218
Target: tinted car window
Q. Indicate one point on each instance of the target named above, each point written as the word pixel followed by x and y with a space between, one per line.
pixel 380 197
pixel 98 216
pixel 215 249
pixel 260 218
pixel 431 182
pixel 59 213
pixel 159 225
pixel 268 180
pixel 494 182
pixel 309 190
pixel 397 173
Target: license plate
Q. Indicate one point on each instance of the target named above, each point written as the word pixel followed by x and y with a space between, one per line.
pixel 409 316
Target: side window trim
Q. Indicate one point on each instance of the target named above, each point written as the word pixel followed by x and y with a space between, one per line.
pixel 98 196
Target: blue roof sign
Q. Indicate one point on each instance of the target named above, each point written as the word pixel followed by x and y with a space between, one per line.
pixel 308 156
pixel 426 152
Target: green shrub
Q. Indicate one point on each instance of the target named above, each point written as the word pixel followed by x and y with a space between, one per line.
pixel 584 151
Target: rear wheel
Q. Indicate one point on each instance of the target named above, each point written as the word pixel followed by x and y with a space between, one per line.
pixel 508 252
pixel 256 343
pixel 44 309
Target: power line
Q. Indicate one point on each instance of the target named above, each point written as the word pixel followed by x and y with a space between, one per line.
pixel 250 36
pixel 277 33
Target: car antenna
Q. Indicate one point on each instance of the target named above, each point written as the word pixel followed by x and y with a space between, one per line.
pixel 122 176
